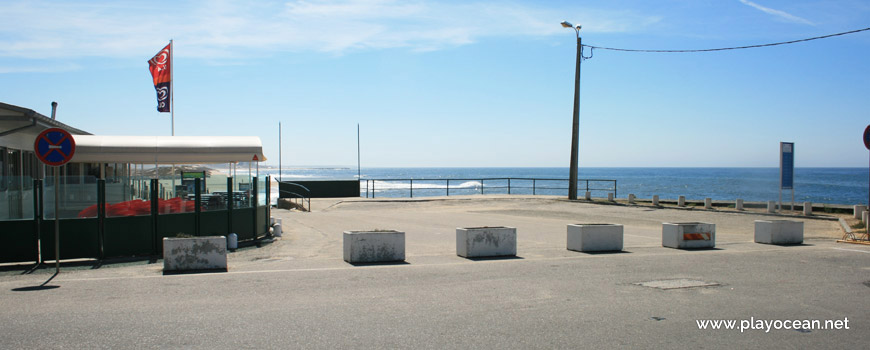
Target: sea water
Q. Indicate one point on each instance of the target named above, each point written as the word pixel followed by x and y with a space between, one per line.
pixel 817 185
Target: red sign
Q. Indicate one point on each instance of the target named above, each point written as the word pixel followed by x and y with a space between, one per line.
pixel 54 147
pixel 867 137
pixel 255 158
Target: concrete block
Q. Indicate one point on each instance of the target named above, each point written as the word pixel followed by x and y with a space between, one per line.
pixel 595 237
pixel 708 203
pixel 374 246
pixel 688 235
pixel 610 196
pixel 277 230
pixel 486 241
pixel 655 200
pixel 865 217
pixel 197 253
pixel 738 204
pixel 631 198
pixel 588 195
pixel 858 209
pixel 779 232
pixel 808 208
pixel 232 241
pixel 681 201
pixel 771 206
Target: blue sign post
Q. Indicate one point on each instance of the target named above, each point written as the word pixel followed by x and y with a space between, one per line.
pixel 786 170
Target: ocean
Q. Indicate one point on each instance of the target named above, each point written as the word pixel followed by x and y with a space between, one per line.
pixel 817 185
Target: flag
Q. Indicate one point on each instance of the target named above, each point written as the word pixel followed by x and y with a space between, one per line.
pixel 161 72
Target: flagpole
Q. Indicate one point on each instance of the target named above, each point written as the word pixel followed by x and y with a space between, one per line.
pixel 172 84
pixel 172 102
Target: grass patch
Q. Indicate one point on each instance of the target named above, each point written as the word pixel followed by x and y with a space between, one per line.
pixel 859 225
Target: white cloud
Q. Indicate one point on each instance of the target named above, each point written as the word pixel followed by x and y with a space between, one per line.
pixel 230 29
pixel 781 14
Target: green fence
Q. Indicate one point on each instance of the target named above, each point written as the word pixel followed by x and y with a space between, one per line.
pixel 88 232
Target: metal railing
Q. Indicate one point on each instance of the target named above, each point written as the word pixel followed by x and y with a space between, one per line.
pixel 503 185
pixel 304 196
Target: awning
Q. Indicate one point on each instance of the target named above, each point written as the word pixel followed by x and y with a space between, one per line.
pixel 167 149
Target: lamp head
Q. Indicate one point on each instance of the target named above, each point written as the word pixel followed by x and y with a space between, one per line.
pixel 567 24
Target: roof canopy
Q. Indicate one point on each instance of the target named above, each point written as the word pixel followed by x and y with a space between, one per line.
pixel 167 149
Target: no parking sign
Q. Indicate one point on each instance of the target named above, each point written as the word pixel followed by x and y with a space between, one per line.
pixel 54 146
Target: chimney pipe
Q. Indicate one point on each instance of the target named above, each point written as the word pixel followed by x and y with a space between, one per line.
pixel 53 110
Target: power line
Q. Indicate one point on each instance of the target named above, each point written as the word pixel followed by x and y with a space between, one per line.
pixel 730 48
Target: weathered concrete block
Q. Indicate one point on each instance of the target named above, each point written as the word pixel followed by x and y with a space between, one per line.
pixel 631 198
pixel 655 200
pixel 595 237
pixel 277 230
pixel 738 204
pixel 374 246
pixel 771 206
pixel 486 241
pixel 858 209
pixel 610 196
pixel 808 208
pixel 588 195
pixel 681 201
pixel 688 235
pixel 197 253
pixel 779 232
pixel 708 203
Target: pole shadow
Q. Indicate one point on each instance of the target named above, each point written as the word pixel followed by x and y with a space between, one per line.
pixel 43 286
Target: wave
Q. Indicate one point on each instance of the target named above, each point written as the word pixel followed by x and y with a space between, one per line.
pixel 405 185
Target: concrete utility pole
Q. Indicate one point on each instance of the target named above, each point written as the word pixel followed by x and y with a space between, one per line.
pixel 575 128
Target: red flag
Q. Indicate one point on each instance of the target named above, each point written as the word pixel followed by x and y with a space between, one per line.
pixel 161 72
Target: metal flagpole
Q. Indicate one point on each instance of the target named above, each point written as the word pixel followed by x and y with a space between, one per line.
pixel 172 101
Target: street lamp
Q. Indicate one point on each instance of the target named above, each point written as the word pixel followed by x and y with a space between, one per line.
pixel 575 129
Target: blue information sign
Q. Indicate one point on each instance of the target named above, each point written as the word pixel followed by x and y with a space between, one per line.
pixel 786 165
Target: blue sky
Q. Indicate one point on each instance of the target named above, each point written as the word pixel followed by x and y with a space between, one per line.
pixel 458 83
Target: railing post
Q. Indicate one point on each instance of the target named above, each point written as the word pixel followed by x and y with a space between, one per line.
pixel 448 187
pixel 37 216
pixel 533 187
pixel 197 202
pixel 155 207
pixel 412 188
pixel 373 188
pixel 614 188
pixel 230 197
pixel 101 216
pixel 509 185
pixel 255 203
pixel 481 186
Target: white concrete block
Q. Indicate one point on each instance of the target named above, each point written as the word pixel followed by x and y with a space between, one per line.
pixel 681 201
pixel 808 208
pixel 374 246
pixel 688 235
pixel 595 237
pixel 486 241
pixel 588 195
pixel 610 196
pixel 655 200
pixel 857 210
pixel 771 206
pixel 631 198
pixel 779 232
pixel 197 253
pixel 232 241
pixel 708 203
pixel 738 204
pixel 277 230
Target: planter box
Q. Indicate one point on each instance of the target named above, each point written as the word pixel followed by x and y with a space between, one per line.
pixel 195 254
pixel 779 232
pixel 374 246
pixel 595 237
pixel 486 241
pixel 689 235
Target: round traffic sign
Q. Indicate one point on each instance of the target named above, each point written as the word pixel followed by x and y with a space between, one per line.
pixel 54 146
pixel 867 137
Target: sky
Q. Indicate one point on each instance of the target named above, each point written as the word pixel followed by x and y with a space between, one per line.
pixel 458 83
